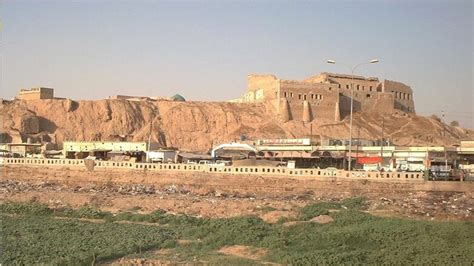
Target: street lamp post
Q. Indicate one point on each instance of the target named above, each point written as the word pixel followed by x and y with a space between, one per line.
pixel 352 69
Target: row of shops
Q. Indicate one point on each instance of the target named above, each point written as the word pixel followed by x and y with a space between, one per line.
pixel 300 153
pixel 388 158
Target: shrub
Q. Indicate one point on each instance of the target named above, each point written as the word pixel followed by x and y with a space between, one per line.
pixel 454 123
pixel 354 203
pixel 435 117
pixel 33 208
pixel 83 212
pixel 312 210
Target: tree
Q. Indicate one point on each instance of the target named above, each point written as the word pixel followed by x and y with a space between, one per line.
pixel 454 123
pixel 435 117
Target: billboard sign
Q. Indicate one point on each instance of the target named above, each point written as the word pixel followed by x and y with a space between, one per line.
pixel 283 142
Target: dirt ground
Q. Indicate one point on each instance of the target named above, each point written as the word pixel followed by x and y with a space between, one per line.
pixel 420 205
pixel 244 252
pixel 205 195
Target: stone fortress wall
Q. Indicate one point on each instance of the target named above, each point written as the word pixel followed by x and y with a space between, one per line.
pixel 327 96
pixel 40 93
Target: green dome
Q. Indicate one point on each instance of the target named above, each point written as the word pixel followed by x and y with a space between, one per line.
pixel 177 98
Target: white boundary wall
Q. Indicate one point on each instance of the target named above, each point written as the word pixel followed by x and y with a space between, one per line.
pixel 247 170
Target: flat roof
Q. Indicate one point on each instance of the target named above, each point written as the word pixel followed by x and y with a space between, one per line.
pixel 23 144
pixel 194 155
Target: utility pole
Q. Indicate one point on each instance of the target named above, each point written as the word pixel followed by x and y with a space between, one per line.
pixel 381 144
pixel 443 121
pixel 358 143
pixel 352 69
pixel 149 141
pixel 445 159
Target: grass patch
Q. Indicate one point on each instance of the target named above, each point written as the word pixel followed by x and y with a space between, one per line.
pixel 83 212
pixel 355 237
pixel 33 208
pixel 42 239
pixel 312 210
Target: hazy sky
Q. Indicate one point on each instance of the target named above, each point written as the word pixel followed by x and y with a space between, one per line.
pixel 204 50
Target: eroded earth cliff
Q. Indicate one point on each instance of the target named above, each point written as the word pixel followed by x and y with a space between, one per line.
pixel 196 126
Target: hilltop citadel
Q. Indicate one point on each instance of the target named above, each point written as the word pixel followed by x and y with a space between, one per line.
pixel 327 96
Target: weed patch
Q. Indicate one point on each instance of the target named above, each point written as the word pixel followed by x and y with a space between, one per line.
pixel 354 237
pixel 74 242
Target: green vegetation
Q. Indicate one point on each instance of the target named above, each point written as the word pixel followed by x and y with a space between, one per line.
pixel 33 233
pixel 36 239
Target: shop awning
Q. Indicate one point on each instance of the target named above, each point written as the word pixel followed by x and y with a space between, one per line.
pixel 332 154
pixel 368 160
pixel 294 154
pixel 100 150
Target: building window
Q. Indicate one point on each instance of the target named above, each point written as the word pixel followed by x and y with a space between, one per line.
pixel 299 96
pixel 370 88
pixel 368 95
pixel 357 87
pixel 329 88
pixel 304 97
pixel 291 94
pixel 347 86
pixel 339 86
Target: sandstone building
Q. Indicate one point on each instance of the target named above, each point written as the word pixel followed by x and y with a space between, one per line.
pixel 36 94
pixel 327 96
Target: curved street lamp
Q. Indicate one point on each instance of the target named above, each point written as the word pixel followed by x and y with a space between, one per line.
pixel 352 69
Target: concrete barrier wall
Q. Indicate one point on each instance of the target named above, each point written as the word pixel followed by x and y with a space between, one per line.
pixel 48 162
pixel 246 170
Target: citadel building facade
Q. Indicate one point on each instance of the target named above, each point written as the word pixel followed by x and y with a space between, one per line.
pixel 327 96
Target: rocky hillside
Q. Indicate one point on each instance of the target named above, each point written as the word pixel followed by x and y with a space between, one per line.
pixel 196 126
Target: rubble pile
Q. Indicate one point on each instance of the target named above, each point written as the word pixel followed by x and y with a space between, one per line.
pixel 430 204
pixel 423 205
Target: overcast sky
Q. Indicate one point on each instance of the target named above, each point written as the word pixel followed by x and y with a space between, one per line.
pixel 204 50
